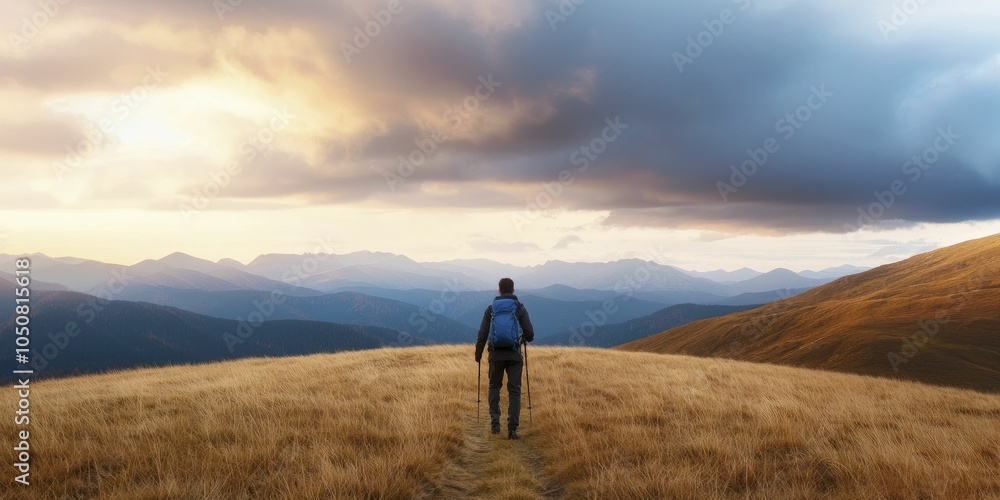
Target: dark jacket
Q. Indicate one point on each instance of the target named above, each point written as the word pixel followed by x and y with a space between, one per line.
pixel 514 353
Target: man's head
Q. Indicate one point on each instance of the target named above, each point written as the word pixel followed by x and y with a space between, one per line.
pixel 506 286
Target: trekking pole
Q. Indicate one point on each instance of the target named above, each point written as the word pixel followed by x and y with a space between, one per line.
pixel 527 376
pixel 479 389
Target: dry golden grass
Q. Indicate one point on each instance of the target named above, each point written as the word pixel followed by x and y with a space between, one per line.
pixel 400 423
pixel 347 425
pixel 647 426
pixel 858 323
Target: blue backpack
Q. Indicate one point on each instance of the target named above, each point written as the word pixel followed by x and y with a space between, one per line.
pixel 505 331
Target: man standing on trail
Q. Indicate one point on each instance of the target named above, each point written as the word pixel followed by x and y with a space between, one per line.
pixel 505 326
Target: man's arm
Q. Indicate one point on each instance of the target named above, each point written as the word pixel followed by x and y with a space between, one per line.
pixel 527 331
pixel 484 333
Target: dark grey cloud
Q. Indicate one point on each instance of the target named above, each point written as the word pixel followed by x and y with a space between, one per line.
pixel 885 100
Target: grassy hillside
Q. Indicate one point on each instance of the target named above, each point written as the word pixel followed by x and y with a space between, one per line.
pixel 931 318
pixel 75 333
pixel 400 423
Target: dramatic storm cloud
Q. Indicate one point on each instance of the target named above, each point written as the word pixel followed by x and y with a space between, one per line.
pixel 768 117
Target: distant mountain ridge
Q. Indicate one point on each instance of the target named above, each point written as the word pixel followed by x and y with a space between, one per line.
pixel 774 280
pixel 342 307
pixel 612 334
pixel 834 272
pixel 721 276
pixel 751 298
pixel 78 335
pixel 547 314
pixel 87 276
pixel 331 272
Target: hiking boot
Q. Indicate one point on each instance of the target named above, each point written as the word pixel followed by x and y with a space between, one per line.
pixel 512 434
pixel 495 429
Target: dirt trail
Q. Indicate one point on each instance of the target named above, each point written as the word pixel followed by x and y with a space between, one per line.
pixel 492 466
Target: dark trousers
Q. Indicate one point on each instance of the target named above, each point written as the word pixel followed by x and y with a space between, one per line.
pixel 513 369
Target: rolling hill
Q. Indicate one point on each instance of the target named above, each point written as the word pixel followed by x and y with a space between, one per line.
pixel 7 284
pixel 834 272
pixel 776 279
pixel 401 423
pixel 76 333
pixel 176 270
pixel 364 268
pixel 610 335
pixel 343 307
pixel 76 274
pixel 176 260
pixel 179 270
pixel 931 318
pixel 316 274
pixel 489 271
pixel 617 275
pixel 751 298
pixel 563 292
pixel 7 289
pixel 723 276
pixel 547 315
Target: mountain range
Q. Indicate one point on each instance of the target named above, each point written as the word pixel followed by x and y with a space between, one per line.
pixel 341 307
pixel 314 274
pixel 612 334
pixel 156 311
pixel 931 318
pixel 74 333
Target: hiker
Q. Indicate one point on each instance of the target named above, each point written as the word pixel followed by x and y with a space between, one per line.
pixel 505 326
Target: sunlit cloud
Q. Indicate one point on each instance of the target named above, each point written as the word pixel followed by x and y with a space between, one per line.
pixel 179 112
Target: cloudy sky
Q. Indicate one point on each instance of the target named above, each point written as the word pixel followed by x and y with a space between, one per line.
pixel 707 134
